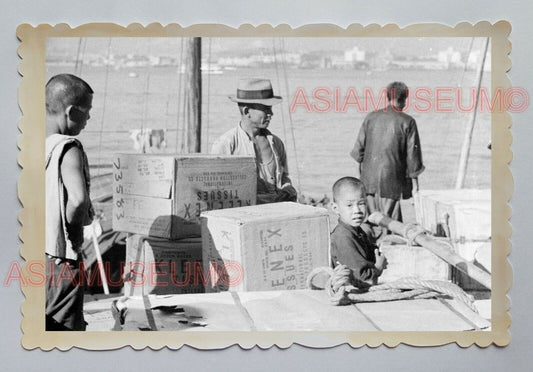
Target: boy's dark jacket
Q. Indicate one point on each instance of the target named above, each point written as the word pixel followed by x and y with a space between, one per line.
pixel 351 246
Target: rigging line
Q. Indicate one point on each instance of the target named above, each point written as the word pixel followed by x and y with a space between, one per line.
pixel 289 110
pixel 467 59
pixel 467 142
pixel 168 94
pixel 117 131
pixel 104 105
pixel 460 85
pixel 206 131
pixel 83 55
pixel 279 86
pixel 146 94
pixel 178 114
pixel 78 56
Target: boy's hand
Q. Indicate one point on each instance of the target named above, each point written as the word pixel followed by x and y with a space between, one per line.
pixel 381 261
pixel 415 186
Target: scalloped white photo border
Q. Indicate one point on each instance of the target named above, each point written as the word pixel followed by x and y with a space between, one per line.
pixel 32 216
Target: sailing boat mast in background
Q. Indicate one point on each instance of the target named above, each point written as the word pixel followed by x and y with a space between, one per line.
pixel 193 96
pixel 467 142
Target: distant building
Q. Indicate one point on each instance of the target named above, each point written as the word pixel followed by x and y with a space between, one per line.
pixel 381 60
pixel 450 58
pixel 354 55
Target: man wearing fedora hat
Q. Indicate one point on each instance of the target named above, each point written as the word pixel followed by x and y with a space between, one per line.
pixel 255 99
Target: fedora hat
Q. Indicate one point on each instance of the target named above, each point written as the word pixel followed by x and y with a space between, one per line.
pixel 255 91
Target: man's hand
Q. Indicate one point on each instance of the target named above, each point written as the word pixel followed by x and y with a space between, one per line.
pixel 287 193
pixel 415 185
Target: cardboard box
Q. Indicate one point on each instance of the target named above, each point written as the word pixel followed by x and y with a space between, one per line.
pixel 415 262
pixel 432 205
pixel 160 266
pixel 264 247
pixel 163 195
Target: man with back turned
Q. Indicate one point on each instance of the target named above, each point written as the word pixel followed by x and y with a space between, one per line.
pixel 389 154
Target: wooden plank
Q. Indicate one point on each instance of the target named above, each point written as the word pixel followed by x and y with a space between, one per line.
pixel 414 315
pixel 301 310
pixel 192 312
pixel 412 261
pixel 97 312
pixel 430 205
pixel 476 319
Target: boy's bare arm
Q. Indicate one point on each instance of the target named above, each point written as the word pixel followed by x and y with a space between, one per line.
pixel 415 185
pixel 78 201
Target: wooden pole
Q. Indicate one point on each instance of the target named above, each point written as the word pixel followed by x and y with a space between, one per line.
pixel 440 249
pixel 99 261
pixel 193 95
pixel 467 142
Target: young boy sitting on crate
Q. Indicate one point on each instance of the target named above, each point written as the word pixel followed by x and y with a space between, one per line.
pixel 350 243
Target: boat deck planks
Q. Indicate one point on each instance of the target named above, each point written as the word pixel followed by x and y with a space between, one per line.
pixel 298 310
pixel 219 311
pixel 420 315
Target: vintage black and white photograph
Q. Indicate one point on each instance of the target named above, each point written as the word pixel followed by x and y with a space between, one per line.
pixel 270 184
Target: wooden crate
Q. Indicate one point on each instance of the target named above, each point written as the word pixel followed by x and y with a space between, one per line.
pixel 469 223
pixel 163 195
pixel 264 247
pixel 161 266
pixel 415 262
pixel 431 205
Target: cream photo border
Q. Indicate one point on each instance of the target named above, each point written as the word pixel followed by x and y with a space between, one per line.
pixel 31 191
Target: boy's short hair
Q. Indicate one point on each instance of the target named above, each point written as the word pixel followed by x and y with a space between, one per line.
pixel 397 90
pixel 64 90
pixel 345 181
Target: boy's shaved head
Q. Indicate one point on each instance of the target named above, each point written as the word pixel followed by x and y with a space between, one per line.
pixel 64 90
pixel 347 182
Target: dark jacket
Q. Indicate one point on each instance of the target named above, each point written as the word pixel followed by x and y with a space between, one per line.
pixel 352 247
pixel 388 149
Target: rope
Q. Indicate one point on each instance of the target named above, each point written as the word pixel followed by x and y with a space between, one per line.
pixel 167 114
pixel 104 105
pixel 392 239
pixel 343 289
pixel 78 57
pixel 279 85
pixel 284 64
pixel 146 96
pixel 416 229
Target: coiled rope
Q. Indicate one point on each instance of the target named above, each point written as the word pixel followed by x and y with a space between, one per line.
pixel 344 289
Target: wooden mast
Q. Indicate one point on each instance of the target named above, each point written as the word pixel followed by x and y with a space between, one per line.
pixel 193 95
